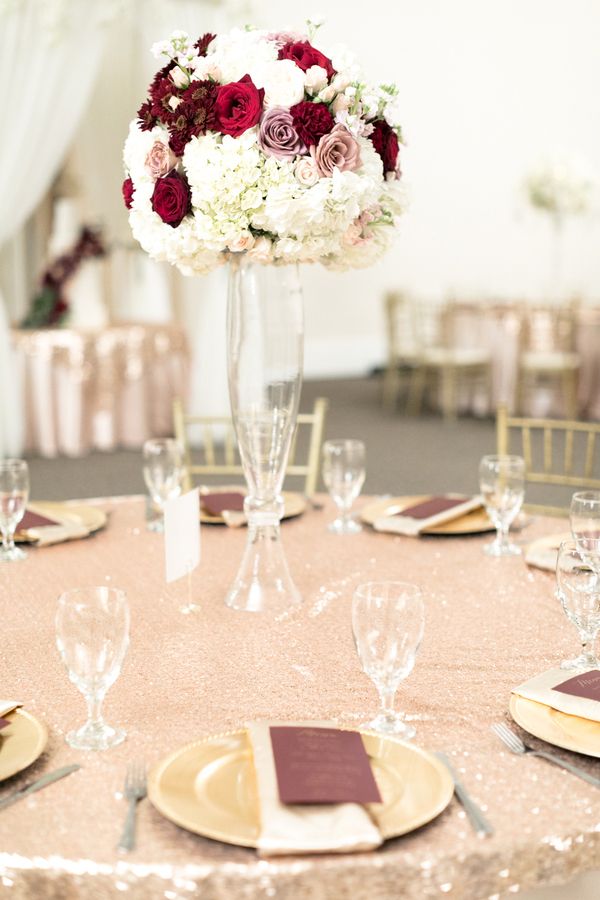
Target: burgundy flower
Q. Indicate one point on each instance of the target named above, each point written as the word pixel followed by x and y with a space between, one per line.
pixel 202 43
pixel 146 119
pixel 128 191
pixel 385 141
pixel 195 114
pixel 171 198
pixel 305 56
pixel 311 121
pixel 238 106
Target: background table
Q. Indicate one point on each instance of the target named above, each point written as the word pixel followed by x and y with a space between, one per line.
pixel 102 389
pixel 490 625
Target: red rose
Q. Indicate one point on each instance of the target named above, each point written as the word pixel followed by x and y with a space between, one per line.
pixel 305 56
pixel 311 121
pixel 238 106
pixel 128 189
pixel 171 198
pixel 385 141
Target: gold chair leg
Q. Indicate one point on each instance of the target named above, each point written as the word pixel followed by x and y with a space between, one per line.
pixel 416 390
pixel 449 392
pixel 391 387
pixel 569 383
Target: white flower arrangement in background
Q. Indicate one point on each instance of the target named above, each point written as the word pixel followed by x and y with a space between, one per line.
pixel 560 186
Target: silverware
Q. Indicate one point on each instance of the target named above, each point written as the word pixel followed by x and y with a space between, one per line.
pixel 516 745
pixel 476 817
pixel 134 790
pixel 37 785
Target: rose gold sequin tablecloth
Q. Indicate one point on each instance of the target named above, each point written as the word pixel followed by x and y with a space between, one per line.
pixel 99 390
pixel 490 624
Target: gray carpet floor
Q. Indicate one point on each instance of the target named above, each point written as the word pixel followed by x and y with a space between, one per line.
pixel 405 455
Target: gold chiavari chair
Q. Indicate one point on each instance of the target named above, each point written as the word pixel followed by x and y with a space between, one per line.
pixel 219 452
pixel 403 346
pixel 559 452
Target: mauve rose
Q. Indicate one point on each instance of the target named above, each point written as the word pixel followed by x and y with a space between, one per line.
pixel 277 135
pixel 238 106
pixel 171 199
pixel 160 160
pixel 128 189
pixel 338 149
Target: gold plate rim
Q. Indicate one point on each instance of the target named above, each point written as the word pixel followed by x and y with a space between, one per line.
pixel 38 745
pixel 294 503
pixel 516 705
pixel 377 508
pixel 157 772
pixel 92 517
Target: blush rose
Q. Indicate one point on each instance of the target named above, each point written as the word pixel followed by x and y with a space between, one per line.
pixel 160 160
pixel 338 149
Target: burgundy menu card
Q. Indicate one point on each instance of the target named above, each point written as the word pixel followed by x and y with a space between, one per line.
pixel 34 520
pixel 585 685
pixel 322 765
pixel 214 504
pixel 432 507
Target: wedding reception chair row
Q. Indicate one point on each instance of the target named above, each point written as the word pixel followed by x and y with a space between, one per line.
pixel 560 452
pixel 217 452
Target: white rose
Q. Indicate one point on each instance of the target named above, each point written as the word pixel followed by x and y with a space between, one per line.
pixel 283 82
pixel 327 94
pixel 315 79
pixel 243 241
pixel 341 81
pixel 306 171
pixel 262 251
pixel 205 67
pixel 179 77
pixel 340 104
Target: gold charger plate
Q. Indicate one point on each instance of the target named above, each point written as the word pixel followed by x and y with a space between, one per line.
pixel 209 787
pixel 294 504
pixel 474 522
pixel 92 518
pixel 543 552
pixel 21 742
pixel 555 727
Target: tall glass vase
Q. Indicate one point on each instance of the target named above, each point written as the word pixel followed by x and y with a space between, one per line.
pixel 265 337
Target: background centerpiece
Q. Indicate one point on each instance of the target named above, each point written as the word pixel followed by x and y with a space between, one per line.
pixel 265 149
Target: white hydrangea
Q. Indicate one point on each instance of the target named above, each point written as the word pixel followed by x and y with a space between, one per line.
pixel 240 53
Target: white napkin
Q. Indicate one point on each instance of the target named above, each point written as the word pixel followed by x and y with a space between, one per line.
pixel 44 535
pixel 310 828
pixel 7 706
pixel 540 690
pixel 401 524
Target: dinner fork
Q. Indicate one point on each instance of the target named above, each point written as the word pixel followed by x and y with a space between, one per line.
pixel 516 745
pixel 134 790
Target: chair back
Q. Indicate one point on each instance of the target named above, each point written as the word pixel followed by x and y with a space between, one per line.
pixel 559 452
pixel 463 325
pixel 548 329
pixel 219 455
pixel 401 328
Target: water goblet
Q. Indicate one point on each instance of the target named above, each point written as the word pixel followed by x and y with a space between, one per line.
pixel 92 636
pixel 14 493
pixel 502 485
pixel 578 589
pixel 344 475
pixel 388 619
pixel 163 474
pixel 585 525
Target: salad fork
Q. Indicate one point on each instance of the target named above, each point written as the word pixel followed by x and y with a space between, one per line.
pixel 516 745
pixel 134 790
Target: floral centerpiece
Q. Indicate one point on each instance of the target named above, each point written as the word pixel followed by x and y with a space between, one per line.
pixel 560 186
pixel 266 143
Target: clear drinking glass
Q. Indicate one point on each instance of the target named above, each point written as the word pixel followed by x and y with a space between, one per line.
pixel 92 636
pixel 388 619
pixel 585 524
pixel 265 339
pixel 502 485
pixel 163 474
pixel 578 589
pixel 344 475
pixel 14 493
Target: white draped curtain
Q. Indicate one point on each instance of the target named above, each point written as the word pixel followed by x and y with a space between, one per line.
pixel 49 56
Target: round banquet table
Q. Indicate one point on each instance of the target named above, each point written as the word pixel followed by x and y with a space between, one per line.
pixel 490 624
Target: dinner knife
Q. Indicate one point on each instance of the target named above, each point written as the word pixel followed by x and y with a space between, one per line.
pixel 37 785
pixel 476 817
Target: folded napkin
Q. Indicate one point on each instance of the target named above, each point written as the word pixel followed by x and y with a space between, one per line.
pixel 574 695
pixel 215 504
pixel 7 706
pixel 433 511
pixel 56 534
pixel 300 828
pixel 543 552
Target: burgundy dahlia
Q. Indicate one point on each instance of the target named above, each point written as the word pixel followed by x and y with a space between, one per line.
pixel 128 189
pixel 385 141
pixel 305 56
pixel 311 121
pixel 202 43
pixel 171 198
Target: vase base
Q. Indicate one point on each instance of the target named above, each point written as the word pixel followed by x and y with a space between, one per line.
pixel 263 583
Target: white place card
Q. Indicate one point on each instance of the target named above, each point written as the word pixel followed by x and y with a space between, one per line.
pixel 182 535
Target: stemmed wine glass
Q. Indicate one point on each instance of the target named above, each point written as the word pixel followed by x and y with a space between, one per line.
pixel 163 474
pixel 388 619
pixel 578 589
pixel 14 493
pixel 585 525
pixel 344 475
pixel 92 636
pixel 502 485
